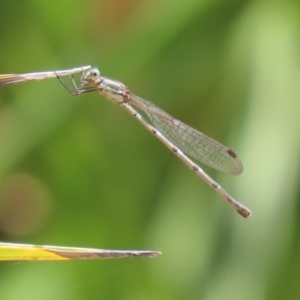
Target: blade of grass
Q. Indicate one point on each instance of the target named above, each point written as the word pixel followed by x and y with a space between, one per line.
pixel 6 79
pixel 25 252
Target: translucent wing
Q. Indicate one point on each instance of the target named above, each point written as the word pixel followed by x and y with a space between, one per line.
pixel 191 141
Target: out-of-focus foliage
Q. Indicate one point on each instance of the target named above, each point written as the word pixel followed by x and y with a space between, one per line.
pixel 79 171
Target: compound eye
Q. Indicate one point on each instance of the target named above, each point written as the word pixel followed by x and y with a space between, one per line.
pixel 94 74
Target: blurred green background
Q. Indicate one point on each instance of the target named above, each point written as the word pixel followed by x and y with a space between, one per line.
pixel 79 171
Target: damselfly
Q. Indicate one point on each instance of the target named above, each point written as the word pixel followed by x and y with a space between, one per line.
pixel 184 141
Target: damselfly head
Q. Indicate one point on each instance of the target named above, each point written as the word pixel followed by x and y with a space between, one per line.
pixel 90 77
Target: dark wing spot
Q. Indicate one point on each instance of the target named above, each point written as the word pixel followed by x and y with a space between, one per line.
pixel 231 153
